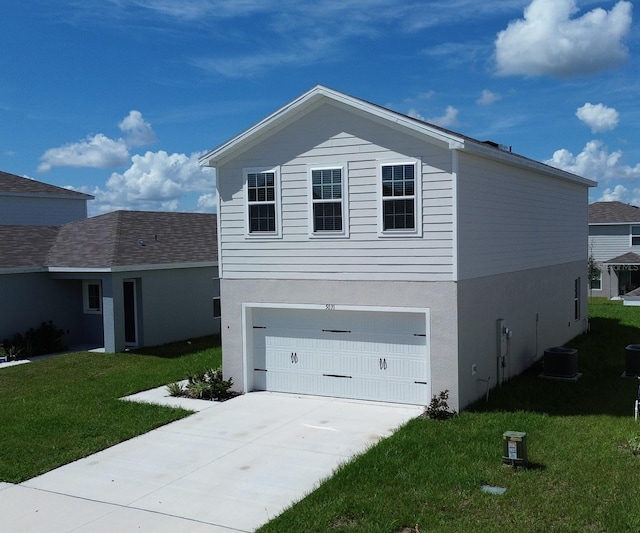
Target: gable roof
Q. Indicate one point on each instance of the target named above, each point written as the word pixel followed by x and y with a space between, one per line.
pixel 320 95
pixel 10 184
pixel 613 213
pixel 121 240
pixel 134 238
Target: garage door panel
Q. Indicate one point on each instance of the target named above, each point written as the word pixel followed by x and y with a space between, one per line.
pixel 369 355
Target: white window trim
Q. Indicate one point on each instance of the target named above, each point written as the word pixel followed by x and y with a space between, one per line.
pixel 599 280
pixel 631 235
pixel 277 198
pixel 85 297
pixel 345 203
pixel 417 231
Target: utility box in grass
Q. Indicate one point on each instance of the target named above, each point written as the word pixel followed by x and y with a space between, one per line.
pixel 514 448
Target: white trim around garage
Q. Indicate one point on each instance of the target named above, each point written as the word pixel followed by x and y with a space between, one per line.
pixel 404 373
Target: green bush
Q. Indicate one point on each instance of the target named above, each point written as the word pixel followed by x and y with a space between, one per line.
pixel 43 340
pixel 439 408
pixel 209 385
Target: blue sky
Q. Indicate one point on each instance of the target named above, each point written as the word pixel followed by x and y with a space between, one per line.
pixel 118 98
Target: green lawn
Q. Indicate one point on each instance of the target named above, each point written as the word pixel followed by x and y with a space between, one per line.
pixel 582 474
pixel 60 409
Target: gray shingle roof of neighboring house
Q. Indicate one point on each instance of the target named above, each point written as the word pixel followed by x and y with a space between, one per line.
pixel 121 238
pixel 624 259
pixel 613 213
pixel 12 184
pixel 128 238
pixel 26 246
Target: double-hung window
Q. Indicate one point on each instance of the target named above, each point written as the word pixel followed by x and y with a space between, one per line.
pixel 262 198
pixel 328 202
pixel 635 235
pixel 92 297
pixel 400 199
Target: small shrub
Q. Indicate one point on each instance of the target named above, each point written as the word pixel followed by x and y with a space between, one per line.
pixel 43 340
pixel 438 409
pixel 210 385
pixel 175 389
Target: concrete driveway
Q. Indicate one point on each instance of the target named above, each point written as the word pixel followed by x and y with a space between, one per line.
pixel 230 467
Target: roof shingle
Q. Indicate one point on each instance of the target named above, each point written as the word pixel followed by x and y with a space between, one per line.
pixel 10 183
pixel 118 239
pixel 613 213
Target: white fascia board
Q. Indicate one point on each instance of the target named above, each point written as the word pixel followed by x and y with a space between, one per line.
pixel 614 224
pixel 497 154
pixel 309 101
pixel 132 268
pixel 22 270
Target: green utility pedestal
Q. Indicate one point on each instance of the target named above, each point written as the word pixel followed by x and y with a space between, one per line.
pixel 514 448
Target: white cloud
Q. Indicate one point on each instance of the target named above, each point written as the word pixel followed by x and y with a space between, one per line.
pixel 595 162
pixel 488 97
pixel 207 203
pixel 155 181
pixel 549 42
pixel 449 119
pixel 137 130
pixel 97 152
pixel 100 151
pixel 598 117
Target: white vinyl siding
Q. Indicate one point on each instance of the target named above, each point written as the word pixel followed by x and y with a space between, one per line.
pixel 328 137
pixel 526 221
pixel 609 241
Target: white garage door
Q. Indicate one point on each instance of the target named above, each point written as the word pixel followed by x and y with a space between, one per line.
pixel 369 355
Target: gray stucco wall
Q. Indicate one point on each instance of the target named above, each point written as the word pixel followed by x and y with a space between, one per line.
pixel 175 304
pixel 517 298
pixel 439 297
pixel 29 299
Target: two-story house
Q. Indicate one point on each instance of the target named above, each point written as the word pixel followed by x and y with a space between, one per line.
pixel 24 201
pixel 367 254
pixel 614 246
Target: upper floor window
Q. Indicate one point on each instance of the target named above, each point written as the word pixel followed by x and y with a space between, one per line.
pixel 262 197
pixel 328 199
pixel 635 235
pixel 400 197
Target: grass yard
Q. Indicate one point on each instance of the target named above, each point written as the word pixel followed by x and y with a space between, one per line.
pixel 583 475
pixel 60 409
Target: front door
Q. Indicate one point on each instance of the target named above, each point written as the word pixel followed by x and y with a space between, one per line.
pixel 130 313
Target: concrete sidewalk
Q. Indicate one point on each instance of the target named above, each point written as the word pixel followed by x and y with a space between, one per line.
pixel 228 468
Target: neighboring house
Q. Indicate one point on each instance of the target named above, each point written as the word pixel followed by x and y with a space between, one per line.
pixel 614 245
pixel 126 278
pixel 368 254
pixel 25 201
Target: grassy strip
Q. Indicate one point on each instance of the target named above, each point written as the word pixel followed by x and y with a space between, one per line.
pixel 582 474
pixel 58 410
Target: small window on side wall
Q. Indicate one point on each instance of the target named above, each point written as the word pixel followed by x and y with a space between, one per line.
pixel 576 299
pixel 92 297
pixel 217 310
